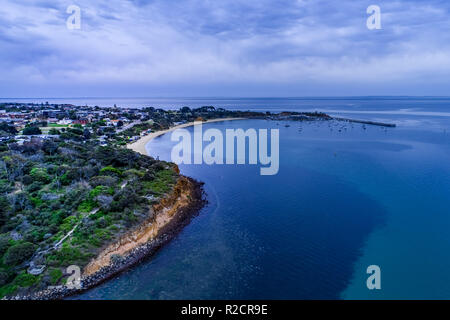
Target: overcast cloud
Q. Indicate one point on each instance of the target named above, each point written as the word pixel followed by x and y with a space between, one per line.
pixel 224 48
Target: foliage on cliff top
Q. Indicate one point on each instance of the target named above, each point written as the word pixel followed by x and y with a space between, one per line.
pixel 49 188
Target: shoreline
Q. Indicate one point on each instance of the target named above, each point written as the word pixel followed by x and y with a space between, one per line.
pixel 180 218
pixel 140 145
pixel 141 242
pixel 144 240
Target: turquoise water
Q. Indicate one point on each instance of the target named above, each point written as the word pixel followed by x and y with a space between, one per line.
pixel 346 197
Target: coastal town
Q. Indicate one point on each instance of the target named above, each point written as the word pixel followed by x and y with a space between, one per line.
pixel 20 123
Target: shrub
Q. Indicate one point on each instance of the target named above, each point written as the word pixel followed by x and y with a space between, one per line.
pixel 4 276
pixel 4 245
pixel 76 131
pixel 7 128
pixel 55 275
pixel 4 211
pixel 162 182
pixel 25 280
pixel 103 181
pixel 32 130
pixel 40 175
pixel 18 253
pixel 49 146
pixel 71 175
pixel 5 186
pixel 134 173
pixel 68 224
pixel 7 290
pixel 37 202
pixel 67 255
pixel 98 190
pixel 53 131
pixel 111 170
pixel 87 206
pixel 27 180
pixel 35 186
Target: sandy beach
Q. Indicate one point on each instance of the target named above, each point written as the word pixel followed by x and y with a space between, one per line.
pixel 139 145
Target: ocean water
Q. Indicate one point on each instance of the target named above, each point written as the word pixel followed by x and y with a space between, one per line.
pixel 343 104
pixel 347 196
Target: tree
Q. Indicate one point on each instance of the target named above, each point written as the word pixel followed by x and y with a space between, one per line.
pixel 3 277
pixel 28 131
pixel 76 130
pixel 18 253
pixel 86 134
pixel 40 175
pixel 7 128
pixel 53 131
pixel 4 209
pixel 119 123
pixel 49 147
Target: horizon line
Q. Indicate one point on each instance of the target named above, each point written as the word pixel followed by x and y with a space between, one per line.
pixel 234 97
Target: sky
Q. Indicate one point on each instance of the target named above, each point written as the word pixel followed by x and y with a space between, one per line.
pixel 223 48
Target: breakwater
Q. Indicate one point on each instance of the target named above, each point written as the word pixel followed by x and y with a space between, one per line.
pixel 374 123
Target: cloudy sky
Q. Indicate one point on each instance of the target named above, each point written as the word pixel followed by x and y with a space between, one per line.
pixel 163 48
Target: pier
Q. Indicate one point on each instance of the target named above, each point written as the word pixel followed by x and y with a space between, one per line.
pixel 374 123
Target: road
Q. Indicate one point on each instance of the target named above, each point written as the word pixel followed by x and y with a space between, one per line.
pixel 128 126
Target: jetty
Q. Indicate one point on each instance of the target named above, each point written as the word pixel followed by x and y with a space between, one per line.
pixel 312 116
pixel 374 123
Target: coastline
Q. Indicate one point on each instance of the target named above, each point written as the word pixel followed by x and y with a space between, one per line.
pixel 174 212
pixel 142 241
pixel 139 145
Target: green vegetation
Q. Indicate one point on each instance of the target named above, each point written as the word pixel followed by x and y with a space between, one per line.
pixel 162 182
pixel 55 125
pixel 55 275
pixel 32 130
pixel 25 280
pixel 53 186
pixel 62 199
pixel 18 253
pixel 6 129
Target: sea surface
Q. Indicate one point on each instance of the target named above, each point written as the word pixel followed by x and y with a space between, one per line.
pixel 344 104
pixel 346 196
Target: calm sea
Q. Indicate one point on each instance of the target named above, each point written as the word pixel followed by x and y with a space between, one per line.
pixel 346 197
pixel 403 104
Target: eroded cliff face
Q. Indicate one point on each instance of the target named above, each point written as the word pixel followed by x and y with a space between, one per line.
pixel 165 212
